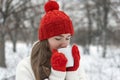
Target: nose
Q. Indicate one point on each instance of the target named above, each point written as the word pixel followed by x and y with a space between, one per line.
pixel 64 44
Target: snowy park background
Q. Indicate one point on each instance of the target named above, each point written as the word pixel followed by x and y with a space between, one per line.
pixel 97 30
pixel 96 67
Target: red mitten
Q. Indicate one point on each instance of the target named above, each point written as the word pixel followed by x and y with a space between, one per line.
pixel 58 61
pixel 76 57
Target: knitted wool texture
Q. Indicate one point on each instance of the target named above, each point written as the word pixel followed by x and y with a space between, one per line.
pixel 54 22
pixel 58 61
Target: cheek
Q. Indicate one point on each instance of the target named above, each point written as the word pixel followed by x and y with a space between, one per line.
pixel 53 45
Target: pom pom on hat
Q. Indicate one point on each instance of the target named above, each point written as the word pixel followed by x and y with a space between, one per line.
pixel 51 5
pixel 54 22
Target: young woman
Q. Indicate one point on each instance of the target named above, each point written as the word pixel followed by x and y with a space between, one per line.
pixel 45 62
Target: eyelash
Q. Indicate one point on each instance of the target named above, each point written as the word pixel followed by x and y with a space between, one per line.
pixel 61 38
pixel 57 39
pixel 68 38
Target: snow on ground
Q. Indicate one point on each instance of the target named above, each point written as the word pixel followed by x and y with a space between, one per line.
pixel 96 67
pixel 12 59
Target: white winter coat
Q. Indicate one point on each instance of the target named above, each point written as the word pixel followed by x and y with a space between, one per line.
pixel 24 72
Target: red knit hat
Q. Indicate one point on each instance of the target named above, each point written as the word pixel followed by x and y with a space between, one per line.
pixel 54 22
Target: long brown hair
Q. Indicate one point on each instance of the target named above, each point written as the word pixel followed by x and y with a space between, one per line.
pixel 40 56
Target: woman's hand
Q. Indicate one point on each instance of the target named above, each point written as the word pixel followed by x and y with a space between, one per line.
pixel 58 61
pixel 76 57
pixel 72 72
pixel 58 66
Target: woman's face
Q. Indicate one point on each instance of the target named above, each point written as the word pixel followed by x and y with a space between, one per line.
pixel 59 41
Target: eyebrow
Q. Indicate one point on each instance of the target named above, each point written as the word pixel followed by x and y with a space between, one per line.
pixel 63 36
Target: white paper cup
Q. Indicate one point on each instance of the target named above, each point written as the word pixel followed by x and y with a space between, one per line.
pixel 68 53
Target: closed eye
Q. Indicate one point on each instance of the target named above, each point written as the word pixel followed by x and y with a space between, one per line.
pixel 68 38
pixel 58 39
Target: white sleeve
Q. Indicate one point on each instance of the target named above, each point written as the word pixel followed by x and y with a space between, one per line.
pixel 57 75
pixel 72 75
pixel 23 71
pixel 76 75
